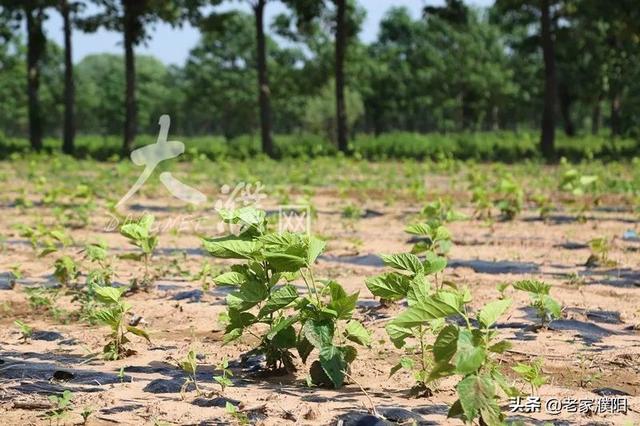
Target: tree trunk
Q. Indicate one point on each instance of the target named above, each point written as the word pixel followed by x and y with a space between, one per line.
pixel 36 43
pixel 548 114
pixel 130 76
pixel 263 81
pixel 68 146
pixel 565 109
pixel 341 108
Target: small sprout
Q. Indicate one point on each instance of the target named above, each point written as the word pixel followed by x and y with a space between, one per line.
pixel 66 270
pixel 531 374
pixel 121 374
pixel 190 366
pixel 25 330
pixel 239 416
pixel 85 413
pixel 224 380
pixel 62 406
pixel 546 306
pixel 600 248
pixel 113 315
pixel 140 235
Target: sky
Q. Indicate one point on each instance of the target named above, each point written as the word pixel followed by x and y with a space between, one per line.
pixel 172 45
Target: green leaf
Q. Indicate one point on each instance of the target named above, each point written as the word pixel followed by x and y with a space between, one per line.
pixel 434 263
pixel 304 348
pixel 108 295
pixel 231 278
pixel 281 324
pixel 344 306
pixel 427 310
pixel 110 317
pixel 552 306
pixel 440 370
pixel 333 364
pixel 389 286
pixel 356 332
pixel 319 333
pixel 532 286
pixel 500 347
pixel 490 313
pixel 138 332
pixel 468 357
pixel 279 299
pixel 285 262
pixel 477 398
pixel 398 334
pixel 419 290
pixel 315 248
pixel 231 247
pixel 404 262
pixel 250 294
pixel 404 363
pixel 446 344
pixel 420 229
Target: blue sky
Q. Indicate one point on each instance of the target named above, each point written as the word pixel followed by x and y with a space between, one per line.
pixel 172 46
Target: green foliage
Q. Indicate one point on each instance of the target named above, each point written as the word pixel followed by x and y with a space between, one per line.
pixel 531 374
pixel 409 281
pixel 236 414
pixel 319 111
pixel 434 238
pixel 66 270
pixel 546 306
pixel 140 234
pixel 113 315
pixel 62 406
pixel 25 330
pixel 321 319
pixel 510 198
pixel 599 256
pixel 190 366
pixel 224 380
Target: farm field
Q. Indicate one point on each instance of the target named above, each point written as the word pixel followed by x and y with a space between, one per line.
pixel 503 230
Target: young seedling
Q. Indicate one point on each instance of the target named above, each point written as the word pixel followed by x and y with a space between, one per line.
pixel 440 212
pixel 66 271
pixel 583 188
pixel 547 308
pixel 85 414
pixel 600 248
pixel 531 374
pixel 236 414
pixel 140 235
pixel 432 237
pixel 16 274
pixel 409 281
pixel 224 380
pixel 61 406
pixel 466 350
pixel 321 319
pixel 113 315
pixel 510 198
pixel 25 330
pixel 543 203
pixel 190 366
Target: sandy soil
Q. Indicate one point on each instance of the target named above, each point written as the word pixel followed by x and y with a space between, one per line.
pixel 591 351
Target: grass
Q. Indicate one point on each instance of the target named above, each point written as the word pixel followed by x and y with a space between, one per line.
pixel 481 146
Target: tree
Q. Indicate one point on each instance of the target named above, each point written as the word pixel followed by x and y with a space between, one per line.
pixel 263 78
pixel 132 18
pixel 34 12
pixel 528 13
pixel 66 9
pixel 346 24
